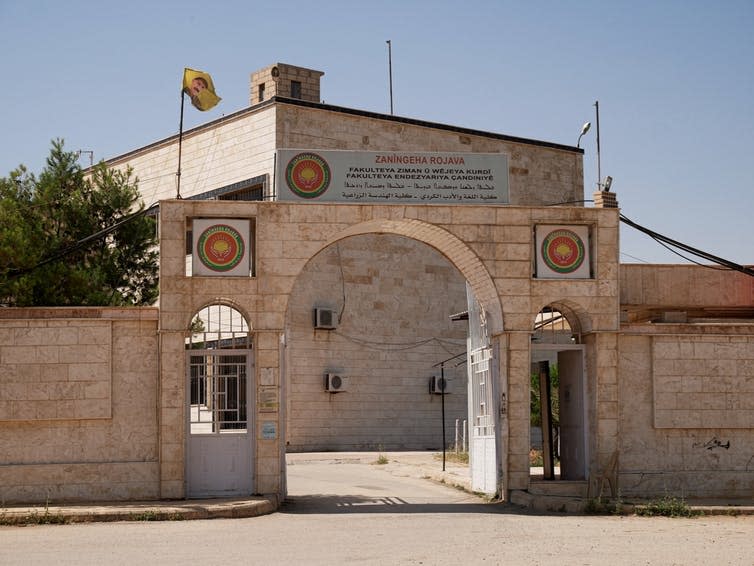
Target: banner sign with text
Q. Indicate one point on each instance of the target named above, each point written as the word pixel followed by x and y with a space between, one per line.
pixel 563 252
pixel 391 177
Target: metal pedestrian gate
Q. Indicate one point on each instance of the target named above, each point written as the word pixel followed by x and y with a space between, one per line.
pixel 220 439
pixel 483 442
pixel 483 415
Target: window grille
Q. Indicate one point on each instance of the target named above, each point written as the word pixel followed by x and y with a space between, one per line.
pixel 482 391
pixel 218 393
pixel 219 327
pixel 219 349
pixel 552 327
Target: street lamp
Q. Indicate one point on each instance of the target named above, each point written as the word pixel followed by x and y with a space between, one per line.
pixel 584 129
pixel 607 184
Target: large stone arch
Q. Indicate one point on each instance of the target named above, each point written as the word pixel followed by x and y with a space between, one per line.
pixel 491 247
pixel 390 299
pixel 457 252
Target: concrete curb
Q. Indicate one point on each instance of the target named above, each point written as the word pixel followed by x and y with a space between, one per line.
pixel 573 505
pixel 424 465
pixel 141 511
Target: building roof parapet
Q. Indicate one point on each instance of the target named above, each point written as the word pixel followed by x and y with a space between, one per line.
pixel 342 110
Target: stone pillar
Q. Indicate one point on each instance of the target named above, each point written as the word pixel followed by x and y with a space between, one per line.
pixel 172 391
pixel 605 367
pixel 518 356
pixel 270 429
pixel 605 199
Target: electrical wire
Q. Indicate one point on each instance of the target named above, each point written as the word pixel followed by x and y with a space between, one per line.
pixel 679 254
pixel 569 202
pixel 399 346
pixel 342 281
pixel 669 242
pixel 82 243
pixel 634 257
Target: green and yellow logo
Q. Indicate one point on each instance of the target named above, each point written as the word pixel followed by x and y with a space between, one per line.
pixel 308 175
pixel 220 247
pixel 563 251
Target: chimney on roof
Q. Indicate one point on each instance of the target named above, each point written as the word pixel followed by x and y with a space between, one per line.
pixel 286 81
pixel 605 199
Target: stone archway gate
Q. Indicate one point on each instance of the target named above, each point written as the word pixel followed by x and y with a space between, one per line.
pixel 492 246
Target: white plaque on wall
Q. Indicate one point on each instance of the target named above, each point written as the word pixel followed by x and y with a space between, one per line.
pixel 221 247
pixel 391 177
pixel 563 252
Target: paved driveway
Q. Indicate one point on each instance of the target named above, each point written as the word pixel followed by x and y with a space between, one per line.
pixel 346 482
pixel 354 512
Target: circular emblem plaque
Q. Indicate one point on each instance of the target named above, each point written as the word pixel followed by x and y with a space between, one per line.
pixel 563 251
pixel 220 247
pixel 308 175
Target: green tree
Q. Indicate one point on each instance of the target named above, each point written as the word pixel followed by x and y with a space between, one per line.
pixel 67 238
pixel 535 402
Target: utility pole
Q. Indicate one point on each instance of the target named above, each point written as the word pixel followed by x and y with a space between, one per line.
pixel 390 72
pixel 599 171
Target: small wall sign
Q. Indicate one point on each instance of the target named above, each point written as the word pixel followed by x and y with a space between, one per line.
pixel 563 252
pixel 269 430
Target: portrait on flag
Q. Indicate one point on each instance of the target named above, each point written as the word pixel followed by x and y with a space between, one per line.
pixel 199 87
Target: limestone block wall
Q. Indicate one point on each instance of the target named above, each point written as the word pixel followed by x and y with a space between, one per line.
pixel 234 148
pixel 242 146
pixel 538 174
pixel 78 400
pixel 492 247
pixel 602 398
pixel 393 296
pixel 277 82
pixel 684 287
pixel 686 404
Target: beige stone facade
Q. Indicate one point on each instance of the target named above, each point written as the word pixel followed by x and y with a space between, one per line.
pixel 238 151
pixel 94 403
pixel 78 391
pixel 686 389
pixel 672 398
pixel 286 81
pixel 393 331
pixel 497 266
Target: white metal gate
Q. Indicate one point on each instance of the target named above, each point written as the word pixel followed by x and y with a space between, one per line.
pixel 483 457
pixel 483 446
pixel 220 438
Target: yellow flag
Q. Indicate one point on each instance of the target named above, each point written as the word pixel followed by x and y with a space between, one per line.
pixel 198 85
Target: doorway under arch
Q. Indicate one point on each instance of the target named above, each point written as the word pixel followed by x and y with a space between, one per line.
pixel 219 403
pixel 389 300
pixel 389 340
pixel 558 400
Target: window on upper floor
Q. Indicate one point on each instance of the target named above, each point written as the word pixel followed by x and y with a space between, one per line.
pixel 296 89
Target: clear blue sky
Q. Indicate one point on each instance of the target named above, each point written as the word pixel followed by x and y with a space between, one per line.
pixel 674 80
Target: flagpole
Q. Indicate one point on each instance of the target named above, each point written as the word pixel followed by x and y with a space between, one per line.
pixel 180 144
pixel 390 72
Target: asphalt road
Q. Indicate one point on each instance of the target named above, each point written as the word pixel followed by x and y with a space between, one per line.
pixel 360 513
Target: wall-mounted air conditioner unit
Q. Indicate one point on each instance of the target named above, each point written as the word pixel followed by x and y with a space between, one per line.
pixel 325 319
pixel 335 383
pixel 439 385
